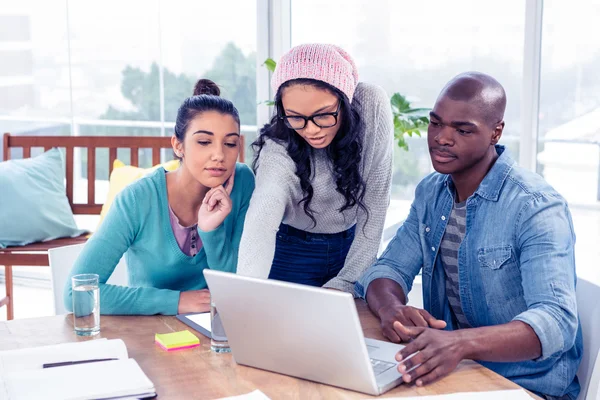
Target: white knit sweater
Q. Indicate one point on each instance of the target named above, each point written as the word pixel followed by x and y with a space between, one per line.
pixel 275 199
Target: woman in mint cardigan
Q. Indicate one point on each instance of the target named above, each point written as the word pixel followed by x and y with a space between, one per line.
pixel 173 225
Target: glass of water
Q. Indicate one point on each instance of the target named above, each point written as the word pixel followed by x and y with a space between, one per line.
pixel 86 304
pixel 218 338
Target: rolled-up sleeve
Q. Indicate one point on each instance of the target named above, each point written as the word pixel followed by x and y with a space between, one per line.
pixel 401 261
pixel 381 272
pixel 546 241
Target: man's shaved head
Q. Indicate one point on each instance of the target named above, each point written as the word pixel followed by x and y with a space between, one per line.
pixel 482 91
pixel 466 123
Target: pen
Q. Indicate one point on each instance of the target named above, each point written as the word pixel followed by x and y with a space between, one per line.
pixel 61 364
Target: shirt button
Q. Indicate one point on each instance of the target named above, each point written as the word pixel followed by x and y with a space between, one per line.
pixel 427 229
pixel 443 218
pixel 433 249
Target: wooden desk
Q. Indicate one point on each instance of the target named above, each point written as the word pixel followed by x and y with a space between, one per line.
pixel 200 374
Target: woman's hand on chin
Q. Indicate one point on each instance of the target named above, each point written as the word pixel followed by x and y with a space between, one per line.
pixel 216 206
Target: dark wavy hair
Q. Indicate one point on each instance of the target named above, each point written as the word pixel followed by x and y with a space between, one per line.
pixel 344 152
pixel 205 98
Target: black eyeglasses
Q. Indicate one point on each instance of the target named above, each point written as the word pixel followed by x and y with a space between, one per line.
pixel 322 120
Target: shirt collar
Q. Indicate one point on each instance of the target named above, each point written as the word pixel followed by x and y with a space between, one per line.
pixel 492 183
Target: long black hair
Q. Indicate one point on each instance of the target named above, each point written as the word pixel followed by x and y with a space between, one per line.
pixel 344 152
pixel 205 98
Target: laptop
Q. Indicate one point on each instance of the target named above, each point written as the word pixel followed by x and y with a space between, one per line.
pixel 303 331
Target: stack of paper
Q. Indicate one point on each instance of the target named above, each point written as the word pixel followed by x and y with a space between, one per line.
pixel 255 395
pixel 177 340
pixel 517 394
pixel 23 375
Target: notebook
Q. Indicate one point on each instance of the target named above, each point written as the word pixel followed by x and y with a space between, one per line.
pixel 199 321
pixel 122 377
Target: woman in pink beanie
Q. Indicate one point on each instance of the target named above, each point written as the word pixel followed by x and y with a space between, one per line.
pixel 323 172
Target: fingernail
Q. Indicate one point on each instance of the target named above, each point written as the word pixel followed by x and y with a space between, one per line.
pixel 402 368
pixel 398 357
pixel 406 378
pixel 419 383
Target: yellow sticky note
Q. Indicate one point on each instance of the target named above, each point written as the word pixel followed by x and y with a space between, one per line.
pixel 176 339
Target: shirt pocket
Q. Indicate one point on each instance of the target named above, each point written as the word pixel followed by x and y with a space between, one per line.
pixel 502 282
pixel 494 257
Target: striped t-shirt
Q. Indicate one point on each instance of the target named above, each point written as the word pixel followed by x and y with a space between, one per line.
pixel 453 237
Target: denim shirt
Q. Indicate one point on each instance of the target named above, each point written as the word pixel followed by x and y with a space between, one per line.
pixel 516 263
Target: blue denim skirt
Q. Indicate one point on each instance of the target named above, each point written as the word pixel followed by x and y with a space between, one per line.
pixel 309 258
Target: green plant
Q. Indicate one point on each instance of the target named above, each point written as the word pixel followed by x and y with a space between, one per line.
pixel 270 65
pixel 407 121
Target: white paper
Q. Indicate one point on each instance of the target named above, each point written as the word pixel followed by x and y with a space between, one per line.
pixel 256 395
pixel 202 319
pixel 34 357
pixel 518 394
pixel 22 375
pixel 84 381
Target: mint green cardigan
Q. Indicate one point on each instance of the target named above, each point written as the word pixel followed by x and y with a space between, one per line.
pixel 138 226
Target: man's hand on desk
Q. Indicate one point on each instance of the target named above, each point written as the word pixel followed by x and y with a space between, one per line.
pixel 407 316
pixel 439 352
pixel 194 301
pixel 387 300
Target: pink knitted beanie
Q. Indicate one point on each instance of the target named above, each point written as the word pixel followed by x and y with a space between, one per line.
pixel 323 62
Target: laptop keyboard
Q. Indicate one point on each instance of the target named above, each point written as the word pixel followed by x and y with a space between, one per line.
pixel 380 367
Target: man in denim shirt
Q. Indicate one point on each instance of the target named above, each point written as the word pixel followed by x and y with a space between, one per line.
pixel 494 243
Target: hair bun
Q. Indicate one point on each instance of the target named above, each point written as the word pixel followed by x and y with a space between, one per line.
pixel 206 86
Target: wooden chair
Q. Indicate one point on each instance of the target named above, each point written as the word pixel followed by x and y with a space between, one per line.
pixel 36 254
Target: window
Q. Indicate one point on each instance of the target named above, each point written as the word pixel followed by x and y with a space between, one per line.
pixel 414 48
pixel 132 78
pixel 120 68
pixel 569 119
pixel 213 40
pixel 34 73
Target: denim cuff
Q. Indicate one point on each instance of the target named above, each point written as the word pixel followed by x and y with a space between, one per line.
pixel 379 272
pixel 546 329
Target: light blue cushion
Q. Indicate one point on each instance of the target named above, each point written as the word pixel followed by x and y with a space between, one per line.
pixel 33 203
